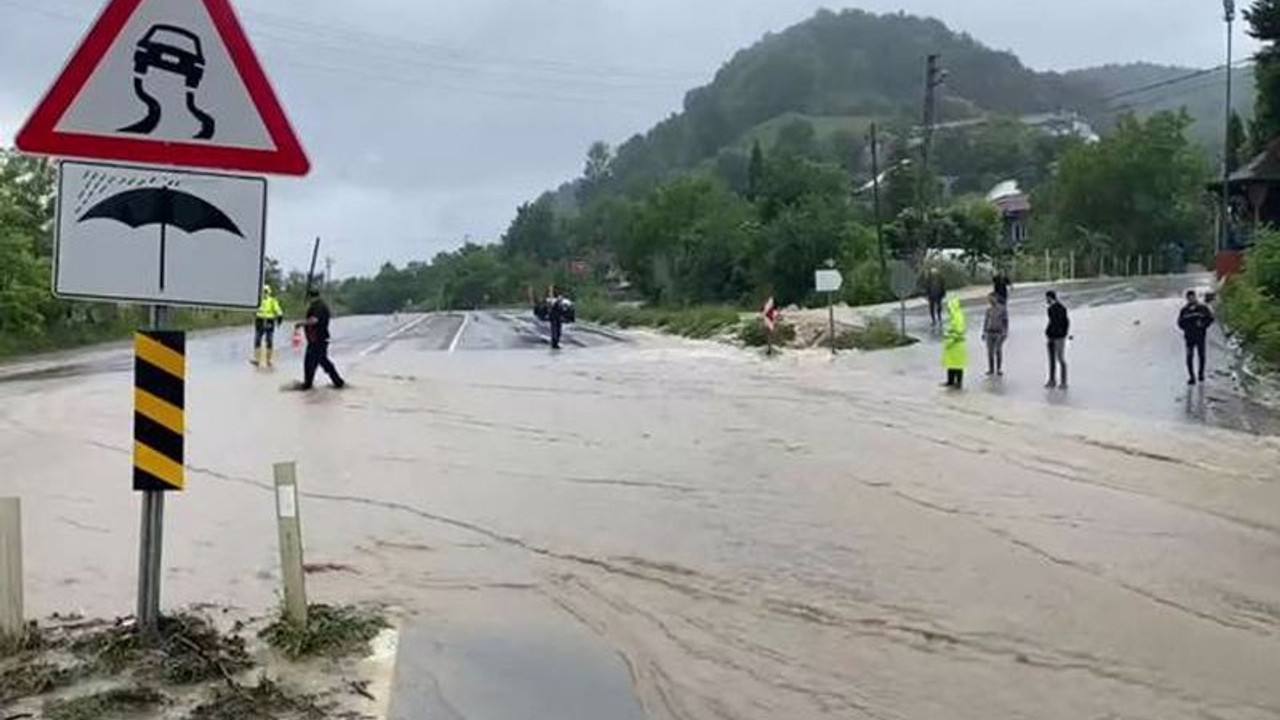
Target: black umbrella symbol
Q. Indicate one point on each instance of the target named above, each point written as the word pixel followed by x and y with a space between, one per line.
pixel 162 206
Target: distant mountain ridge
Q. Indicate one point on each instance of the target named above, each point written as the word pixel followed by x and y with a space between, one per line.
pixel 843 70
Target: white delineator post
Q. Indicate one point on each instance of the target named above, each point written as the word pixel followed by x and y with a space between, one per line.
pixel 12 624
pixel 289 522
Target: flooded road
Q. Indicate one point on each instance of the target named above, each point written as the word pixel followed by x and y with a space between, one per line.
pixel 734 537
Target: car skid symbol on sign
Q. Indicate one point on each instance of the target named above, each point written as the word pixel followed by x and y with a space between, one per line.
pixel 171 49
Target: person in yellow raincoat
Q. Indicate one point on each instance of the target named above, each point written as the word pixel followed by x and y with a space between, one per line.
pixel 955 346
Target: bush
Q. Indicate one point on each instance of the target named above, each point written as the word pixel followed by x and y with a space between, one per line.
pixel 331 632
pixel 867 285
pixel 1251 301
pixel 754 333
pixel 881 333
pixel 694 322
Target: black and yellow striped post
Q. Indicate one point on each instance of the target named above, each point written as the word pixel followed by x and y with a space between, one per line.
pixel 159 410
pixel 159 427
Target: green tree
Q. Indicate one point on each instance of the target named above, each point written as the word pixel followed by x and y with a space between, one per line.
pixel 1263 18
pixel 1142 186
pixel 755 171
pixel 533 232
pixel 597 172
pixel 1237 143
pixel 797 137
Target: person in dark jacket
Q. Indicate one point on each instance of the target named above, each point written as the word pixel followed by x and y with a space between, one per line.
pixel 317 356
pixel 1194 320
pixel 1056 333
pixel 995 328
pixel 935 290
pixel 1001 284
pixel 556 315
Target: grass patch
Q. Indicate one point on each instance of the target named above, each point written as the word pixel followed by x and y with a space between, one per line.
pixel 266 700
pixel 880 334
pixel 32 678
pixel 189 650
pixel 106 704
pixel 753 333
pixel 700 322
pixel 332 631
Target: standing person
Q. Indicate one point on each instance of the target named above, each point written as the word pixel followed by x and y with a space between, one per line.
pixel 995 328
pixel 1056 334
pixel 268 317
pixel 1194 320
pixel 317 355
pixel 1001 284
pixel 935 289
pixel 556 315
pixel 955 349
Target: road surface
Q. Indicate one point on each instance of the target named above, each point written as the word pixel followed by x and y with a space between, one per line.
pixel 673 530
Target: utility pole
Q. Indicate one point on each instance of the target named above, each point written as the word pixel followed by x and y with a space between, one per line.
pixel 328 271
pixel 875 200
pixel 1229 12
pixel 935 76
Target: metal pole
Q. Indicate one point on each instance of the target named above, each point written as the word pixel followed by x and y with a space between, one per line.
pixel 1229 7
pixel 831 320
pixel 902 315
pixel 12 621
pixel 151 537
pixel 875 201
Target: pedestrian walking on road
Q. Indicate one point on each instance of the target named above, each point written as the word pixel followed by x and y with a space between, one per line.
pixel 1195 320
pixel 955 348
pixel 935 289
pixel 995 328
pixel 1057 333
pixel 269 316
pixel 317 355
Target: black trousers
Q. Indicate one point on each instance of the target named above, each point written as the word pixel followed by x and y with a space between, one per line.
pixel 935 310
pixel 264 331
pixel 317 356
pixel 1195 346
pixel 557 329
pixel 955 378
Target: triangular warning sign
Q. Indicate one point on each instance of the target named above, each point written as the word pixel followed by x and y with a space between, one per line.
pixel 166 82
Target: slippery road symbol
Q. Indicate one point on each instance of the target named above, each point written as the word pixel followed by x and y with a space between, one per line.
pixel 162 206
pixel 171 49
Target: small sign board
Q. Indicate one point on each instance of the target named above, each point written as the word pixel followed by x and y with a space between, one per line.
pixel 902 279
pixel 828 280
pixel 128 234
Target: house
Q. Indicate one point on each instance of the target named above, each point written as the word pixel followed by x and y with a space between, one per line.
pixel 1254 203
pixel 1015 212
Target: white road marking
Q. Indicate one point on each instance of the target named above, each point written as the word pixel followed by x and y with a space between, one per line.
pixel 392 336
pixel 466 318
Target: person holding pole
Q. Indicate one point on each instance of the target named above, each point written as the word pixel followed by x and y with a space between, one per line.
pixel 317 355
pixel 269 316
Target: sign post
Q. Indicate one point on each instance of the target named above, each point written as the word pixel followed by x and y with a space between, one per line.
pixel 902 280
pixel 829 281
pixel 171 83
pixel 12 622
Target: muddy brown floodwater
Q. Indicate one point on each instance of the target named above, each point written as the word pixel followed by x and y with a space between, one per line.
pixel 796 538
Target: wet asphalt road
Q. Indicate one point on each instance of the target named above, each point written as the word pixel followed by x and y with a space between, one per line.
pixel 681 530
pixel 354 339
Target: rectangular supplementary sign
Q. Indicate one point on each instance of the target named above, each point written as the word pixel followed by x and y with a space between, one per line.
pixel 159 410
pixel 129 234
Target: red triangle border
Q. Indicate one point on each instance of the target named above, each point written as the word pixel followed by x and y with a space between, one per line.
pixel 39 135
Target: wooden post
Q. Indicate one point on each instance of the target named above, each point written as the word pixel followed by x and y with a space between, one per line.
pixel 12 625
pixel 289 522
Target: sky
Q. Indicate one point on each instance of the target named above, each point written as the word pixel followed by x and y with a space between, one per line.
pixel 427 123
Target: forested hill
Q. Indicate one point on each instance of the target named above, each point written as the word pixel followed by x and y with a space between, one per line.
pixel 850 65
pixel 1146 89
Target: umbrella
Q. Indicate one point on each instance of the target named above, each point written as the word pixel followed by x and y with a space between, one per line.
pixel 162 206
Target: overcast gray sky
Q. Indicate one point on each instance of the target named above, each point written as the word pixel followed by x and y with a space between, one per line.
pixel 428 122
